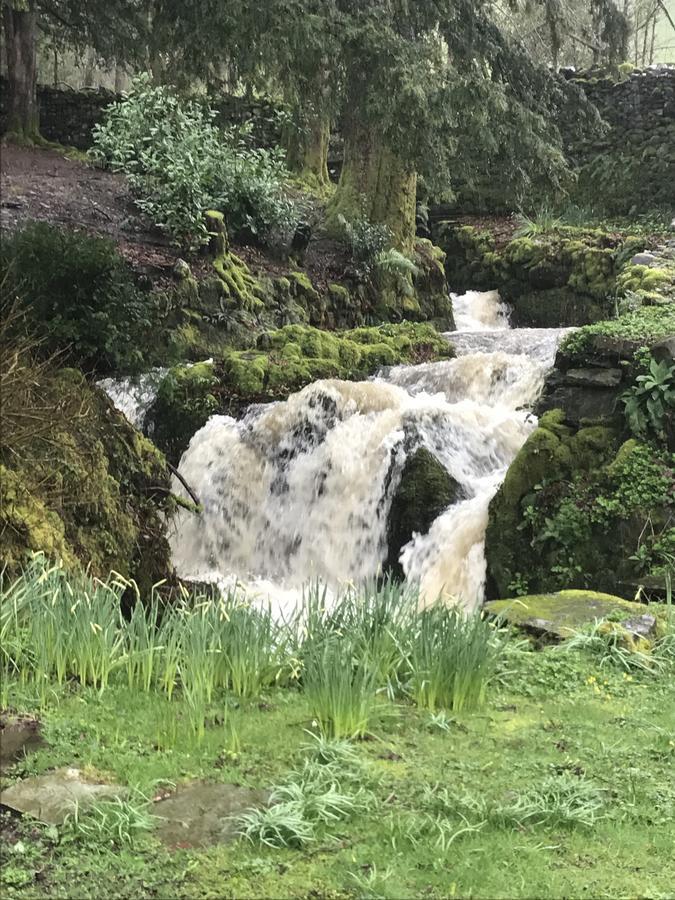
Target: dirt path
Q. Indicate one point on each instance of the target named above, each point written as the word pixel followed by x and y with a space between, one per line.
pixel 44 185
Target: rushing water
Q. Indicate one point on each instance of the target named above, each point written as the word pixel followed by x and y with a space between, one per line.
pixel 301 489
pixel 134 394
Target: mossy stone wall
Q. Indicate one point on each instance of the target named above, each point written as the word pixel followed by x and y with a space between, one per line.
pixel 631 168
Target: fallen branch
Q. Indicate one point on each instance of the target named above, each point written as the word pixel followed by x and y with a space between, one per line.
pixel 174 471
pixel 666 13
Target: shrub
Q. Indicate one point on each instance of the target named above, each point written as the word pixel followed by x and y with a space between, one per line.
pixel 651 399
pixel 79 296
pixel 367 240
pixel 180 164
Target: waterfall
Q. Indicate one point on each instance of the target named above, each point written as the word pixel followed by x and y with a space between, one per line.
pixel 134 394
pixel 301 489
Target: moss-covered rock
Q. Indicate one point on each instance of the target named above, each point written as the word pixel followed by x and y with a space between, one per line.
pixel 559 615
pixel 186 397
pixel 566 276
pixel 284 361
pixel 86 487
pixel 424 491
pixel 580 509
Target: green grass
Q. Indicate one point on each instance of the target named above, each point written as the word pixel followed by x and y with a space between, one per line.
pixel 557 783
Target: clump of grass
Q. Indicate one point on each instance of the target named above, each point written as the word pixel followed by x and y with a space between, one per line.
pixel 543 221
pixel 560 800
pixel 453 659
pixel 119 822
pixel 340 686
pixel 379 617
pixel 373 884
pixel 612 645
pixel 280 825
pixel 320 794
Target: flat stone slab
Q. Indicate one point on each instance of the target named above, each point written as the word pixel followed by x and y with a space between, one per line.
pixel 19 735
pixel 202 814
pixel 50 798
pixel 560 614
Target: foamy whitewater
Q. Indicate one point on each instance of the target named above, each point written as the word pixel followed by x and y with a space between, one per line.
pixel 301 489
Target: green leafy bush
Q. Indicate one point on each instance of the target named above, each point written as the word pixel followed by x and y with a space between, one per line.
pixel 79 296
pixel 367 240
pixel 180 164
pixel 651 399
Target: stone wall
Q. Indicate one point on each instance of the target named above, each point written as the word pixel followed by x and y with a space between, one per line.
pixel 631 168
pixel 68 116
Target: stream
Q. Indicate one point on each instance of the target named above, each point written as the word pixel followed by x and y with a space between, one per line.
pixel 300 490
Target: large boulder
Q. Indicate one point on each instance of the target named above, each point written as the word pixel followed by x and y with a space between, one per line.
pixel 578 508
pixel 425 490
pixel 559 615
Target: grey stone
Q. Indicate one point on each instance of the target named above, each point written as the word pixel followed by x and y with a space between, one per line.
pixel 581 403
pixel 645 259
pixel 52 797
pixel 181 269
pixel 616 348
pixel 19 735
pixel 643 625
pixel 664 350
pixel 593 378
pixel 559 615
pixel 426 489
pixel 201 814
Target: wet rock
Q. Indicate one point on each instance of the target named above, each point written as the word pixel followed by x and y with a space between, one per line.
pixel 52 797
pixel 201 814
pixel 19 735
pixel 592 378
pixel 664 350
pixel 558 615
pixel 645 259
pixel 580 404
pixel 425 490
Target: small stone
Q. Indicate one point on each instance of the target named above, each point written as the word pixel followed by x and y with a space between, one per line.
pixel 181 269
pixel 664 351
pixel 641 625
pixel 644 259
pixel 19 735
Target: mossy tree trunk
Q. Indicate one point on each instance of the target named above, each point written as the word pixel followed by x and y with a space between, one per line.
pixel 375 184
pixel 20 32
pixel 307 149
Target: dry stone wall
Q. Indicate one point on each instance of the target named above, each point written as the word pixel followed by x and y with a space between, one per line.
pixel 631 168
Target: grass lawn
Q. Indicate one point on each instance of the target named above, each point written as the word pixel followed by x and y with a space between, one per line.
pixel 562 785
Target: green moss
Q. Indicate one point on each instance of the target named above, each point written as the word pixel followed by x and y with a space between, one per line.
pixel 186 397
pixel 296 355
pixel 89 487
pixel 564 612
pixel 287 360
pixel 564 276
pixel 593 514
pixel 28 525
pixel 642 327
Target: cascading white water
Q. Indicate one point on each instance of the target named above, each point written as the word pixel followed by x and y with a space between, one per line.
pixel 301 489
pixel 134 394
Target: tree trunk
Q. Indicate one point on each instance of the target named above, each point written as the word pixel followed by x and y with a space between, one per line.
pixel 375 185
pixel 307 149
pixel 21 49
pixel 89 66
pixel 119 78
